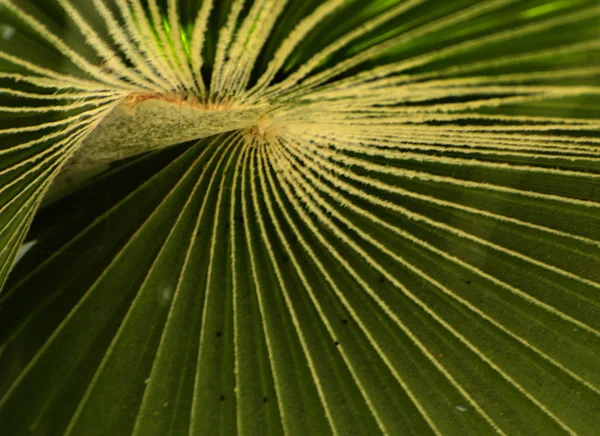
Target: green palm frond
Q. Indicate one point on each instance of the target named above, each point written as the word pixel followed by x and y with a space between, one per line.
pixel 347 217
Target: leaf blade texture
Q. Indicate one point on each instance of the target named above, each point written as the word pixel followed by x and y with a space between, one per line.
pixel 284 217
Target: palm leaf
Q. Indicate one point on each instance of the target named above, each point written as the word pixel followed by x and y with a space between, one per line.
pixel 316 217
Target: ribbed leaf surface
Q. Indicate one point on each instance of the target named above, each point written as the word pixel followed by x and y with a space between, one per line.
pixel 310 217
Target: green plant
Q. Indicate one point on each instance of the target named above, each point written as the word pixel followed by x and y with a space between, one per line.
pixel 303 217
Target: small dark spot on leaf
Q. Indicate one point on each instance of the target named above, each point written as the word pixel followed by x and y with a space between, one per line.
pixel 222 398
pixel 218 334
pixel 382 279
pixel 337 343
pixel 468 282
pixel 345 321
pixel 264 399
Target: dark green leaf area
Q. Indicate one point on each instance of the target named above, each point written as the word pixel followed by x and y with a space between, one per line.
pixel 217 291
pixel 87 307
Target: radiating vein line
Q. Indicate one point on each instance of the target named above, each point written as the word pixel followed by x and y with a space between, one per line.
pixel 63 81
pixel 393 136
pixel 51 81
pixel 128 49
pixel 344 187
pixel 278 383
pixel 398 144
pixel 306 199
pixel 235 285
pixel 63 121
pixel 47 174
pixel 164 43
pixel 294 38
pixel 141 31
pixel 339 293
pixel 198 40
pixel 310 291
pixel 426 104
pixel 567 49
pixel 77 59
pixel 316 198
pixel 111 58
pixel 91 122
pixel 420 217
pixel 226 34
pixel 179 53
pixel 326 162
pixel 225 161
pixel 364 55
pixel 389 126
pixel 185 266
pixel 425 144
pixel 57 95
pixel 385 90
pixel 404 155
pixel 103 216
pixel 288 302
pixel 388 69
pixel 444 52
pixel 381 93
pixel 16 240
pixel 402 84
pixel 250 41
pixel 340 43
pixel 69 144
pixel 65 321
pixel 334 129
pixel 448 143
pixel 59 108
pixel 32 201
pixel 124 325
pixel 421 175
